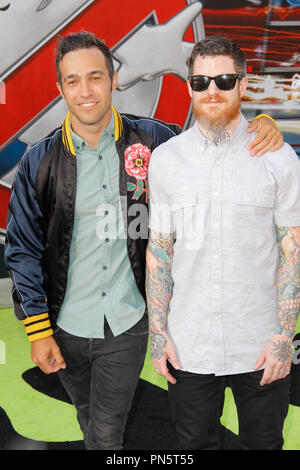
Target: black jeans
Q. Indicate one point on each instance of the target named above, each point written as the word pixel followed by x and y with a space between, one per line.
pixel 197 403
pixel 101 376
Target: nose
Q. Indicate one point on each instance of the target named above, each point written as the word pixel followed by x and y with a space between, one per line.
pixel 213 89
pixel 85 88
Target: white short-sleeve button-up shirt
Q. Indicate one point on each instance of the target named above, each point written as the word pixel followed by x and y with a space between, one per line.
pixel 222 205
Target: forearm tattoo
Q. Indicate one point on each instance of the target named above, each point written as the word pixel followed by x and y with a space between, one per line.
pixel 288 278
pixel 288 283
pixel 159 288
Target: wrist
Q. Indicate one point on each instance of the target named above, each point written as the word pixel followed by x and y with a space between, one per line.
pixel 38 327
pixel 281 331
pixel 158 343
pixel 267 116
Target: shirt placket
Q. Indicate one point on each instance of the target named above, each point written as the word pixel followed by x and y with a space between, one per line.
pixel 216 258
pixel 104 265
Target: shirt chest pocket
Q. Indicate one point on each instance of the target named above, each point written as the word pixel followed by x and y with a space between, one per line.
pixel 189 211
pixel 253 222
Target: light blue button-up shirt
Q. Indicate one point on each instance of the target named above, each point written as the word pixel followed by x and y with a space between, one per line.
pixel 100 278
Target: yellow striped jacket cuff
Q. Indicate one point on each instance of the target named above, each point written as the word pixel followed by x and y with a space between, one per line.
pixel 38 327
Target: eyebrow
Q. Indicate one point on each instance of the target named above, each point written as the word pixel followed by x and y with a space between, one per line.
pixel 76 75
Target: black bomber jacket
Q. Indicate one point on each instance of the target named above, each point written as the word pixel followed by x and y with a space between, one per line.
pixel 41 215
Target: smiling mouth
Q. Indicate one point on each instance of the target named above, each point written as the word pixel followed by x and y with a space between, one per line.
pixel 90 104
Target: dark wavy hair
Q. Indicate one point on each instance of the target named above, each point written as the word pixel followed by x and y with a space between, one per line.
pixel 214 46
pixel 82 40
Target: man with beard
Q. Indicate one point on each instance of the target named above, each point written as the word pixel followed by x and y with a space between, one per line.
pixel 212 259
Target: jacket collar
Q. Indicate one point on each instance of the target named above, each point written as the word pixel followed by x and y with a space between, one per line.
pixel 66 134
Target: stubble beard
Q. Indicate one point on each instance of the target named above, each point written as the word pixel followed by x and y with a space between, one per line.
pixel 90 121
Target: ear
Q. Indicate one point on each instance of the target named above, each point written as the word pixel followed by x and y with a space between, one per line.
pixel 189 88
pixel 58 86
pixel 243 85
pixel 114 81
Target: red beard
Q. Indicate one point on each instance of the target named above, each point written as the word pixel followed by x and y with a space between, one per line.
pixel 215 118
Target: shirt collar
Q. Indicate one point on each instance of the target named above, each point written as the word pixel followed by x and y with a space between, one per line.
pixel 80 143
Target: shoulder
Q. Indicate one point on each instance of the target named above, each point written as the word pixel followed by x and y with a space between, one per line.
pixel 175 144
pixel 284 166
pixel 160 131
pixel 32 157
pixel 284 157
pixel 170 153
pixel 42 146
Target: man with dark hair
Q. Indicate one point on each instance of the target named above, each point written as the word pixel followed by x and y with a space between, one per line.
pixel 84 40
pixel 212 259
pixel 215 46
pixel 78 287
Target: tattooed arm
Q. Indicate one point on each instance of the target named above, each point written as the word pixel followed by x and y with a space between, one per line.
pixel 159 288
pixel 277 354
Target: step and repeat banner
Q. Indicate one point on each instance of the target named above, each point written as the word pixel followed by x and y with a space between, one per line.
pixel 150 41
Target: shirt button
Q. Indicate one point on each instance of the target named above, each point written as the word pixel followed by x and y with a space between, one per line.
pixel 104 267
pixel 216 225
pixel 106 212
pixel 104 186
pixel 103 294
pixel 100 157
pixel 217 287
pixel 107 240
pixel 216 256
pixel 216 193
pixel 218 162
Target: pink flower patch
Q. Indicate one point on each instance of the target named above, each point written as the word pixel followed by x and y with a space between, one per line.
pixel 137 158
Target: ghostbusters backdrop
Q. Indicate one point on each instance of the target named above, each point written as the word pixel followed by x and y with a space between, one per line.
pixel 150 41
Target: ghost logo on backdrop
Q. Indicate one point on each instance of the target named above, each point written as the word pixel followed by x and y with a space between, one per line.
pixel 144 56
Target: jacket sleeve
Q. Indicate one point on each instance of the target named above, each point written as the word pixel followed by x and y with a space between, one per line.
pixel 25 240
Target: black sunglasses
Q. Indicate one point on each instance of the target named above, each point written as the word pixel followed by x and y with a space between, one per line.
pixel 224 82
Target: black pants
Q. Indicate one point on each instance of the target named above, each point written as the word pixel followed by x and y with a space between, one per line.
pixel 197 403
pixel 101 376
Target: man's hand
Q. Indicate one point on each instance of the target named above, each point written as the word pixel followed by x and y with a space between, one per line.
pixel 162 349
pixel 268 138
pixel 46 354
pixel 277 357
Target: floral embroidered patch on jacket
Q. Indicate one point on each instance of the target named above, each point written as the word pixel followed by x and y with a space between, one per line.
pixel 137 158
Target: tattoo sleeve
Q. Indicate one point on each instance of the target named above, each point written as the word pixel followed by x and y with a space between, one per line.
pixel 159 288
pixel 288 283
